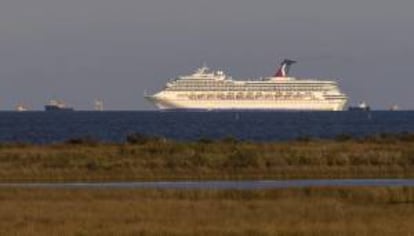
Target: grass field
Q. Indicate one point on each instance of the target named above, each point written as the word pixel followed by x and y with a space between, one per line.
pixel 316 211
pixel 158 159
pixel 305 211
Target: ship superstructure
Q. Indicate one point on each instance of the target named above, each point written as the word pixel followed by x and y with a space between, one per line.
pixel 214 90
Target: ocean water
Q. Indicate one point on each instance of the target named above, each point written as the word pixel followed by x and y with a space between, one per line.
pixel 49 127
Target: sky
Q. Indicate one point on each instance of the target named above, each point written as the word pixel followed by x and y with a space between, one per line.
pixel 81 50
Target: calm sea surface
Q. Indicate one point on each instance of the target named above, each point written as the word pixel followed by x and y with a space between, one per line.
pixel 47 127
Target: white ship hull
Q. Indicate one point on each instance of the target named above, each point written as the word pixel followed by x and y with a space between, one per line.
pixel 299 105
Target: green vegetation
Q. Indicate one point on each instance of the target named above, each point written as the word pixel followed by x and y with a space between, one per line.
pixel 313 211
pixel 152 158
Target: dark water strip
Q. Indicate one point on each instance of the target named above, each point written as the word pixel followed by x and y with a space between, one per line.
pixel 220 185
pixel 52 127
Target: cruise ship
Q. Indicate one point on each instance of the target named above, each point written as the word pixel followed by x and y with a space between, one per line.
pixel 214 90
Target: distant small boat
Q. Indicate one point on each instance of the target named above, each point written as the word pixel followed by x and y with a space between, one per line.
pixel 394 108
pixel 363 106
pixel 98 105
pixel 21 108
pixel 55 105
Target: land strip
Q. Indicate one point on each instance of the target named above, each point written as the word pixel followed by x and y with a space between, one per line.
pixel 308 211
pixel 160 159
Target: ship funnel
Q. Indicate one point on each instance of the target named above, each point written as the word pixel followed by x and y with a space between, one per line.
pixel 284 68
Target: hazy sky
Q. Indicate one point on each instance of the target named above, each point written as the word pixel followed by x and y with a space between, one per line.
pixel 79 50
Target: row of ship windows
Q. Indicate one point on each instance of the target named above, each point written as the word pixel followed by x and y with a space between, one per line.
pixel 255 86
pixel 240 97
pixel 197 81
pixel 250 85
pixel 247 94
pixel 253 82
pixel 247 89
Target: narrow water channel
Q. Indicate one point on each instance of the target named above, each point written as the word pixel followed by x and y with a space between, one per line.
pixel 221 185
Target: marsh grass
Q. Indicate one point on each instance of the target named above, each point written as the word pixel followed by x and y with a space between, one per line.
pixel 309 211
pixel 160 159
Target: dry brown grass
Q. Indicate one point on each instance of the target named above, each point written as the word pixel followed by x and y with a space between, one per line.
pixel 168 160
pixel 316 211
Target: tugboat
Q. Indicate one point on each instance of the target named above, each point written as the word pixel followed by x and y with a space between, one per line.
pixel 55 105
pixel 363 106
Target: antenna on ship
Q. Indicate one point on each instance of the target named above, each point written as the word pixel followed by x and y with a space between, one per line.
pixel 284 69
